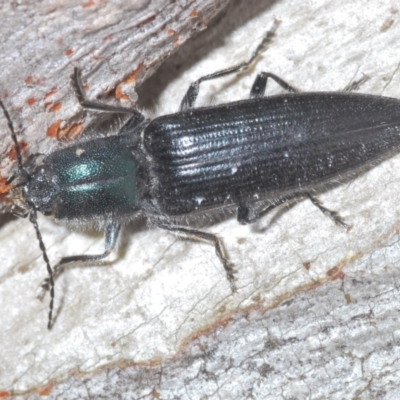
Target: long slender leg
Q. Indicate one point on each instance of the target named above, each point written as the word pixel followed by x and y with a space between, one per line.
pixel 260 84
pixel 20 214
pixel 111 235
pixel 333 215
pixel 355 85
pixel 193 91
pixel 209 238
pixel 243 211
pixel 91 105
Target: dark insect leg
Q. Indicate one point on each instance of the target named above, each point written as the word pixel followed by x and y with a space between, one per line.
pixel 193 91
pixel 260 84
pixel 244 212
pixel 91 105
pixel 209 238
pixel 333 215
pixel 111 235
pixel 355 85
pixel 20 214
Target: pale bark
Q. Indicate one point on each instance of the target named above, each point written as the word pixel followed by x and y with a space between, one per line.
pixel 317 311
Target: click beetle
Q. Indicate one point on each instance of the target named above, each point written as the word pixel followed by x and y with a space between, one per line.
pixel 250 155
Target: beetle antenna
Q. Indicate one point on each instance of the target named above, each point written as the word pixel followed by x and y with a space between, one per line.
pixel 13 136
pixel 33 216
pixel 33 220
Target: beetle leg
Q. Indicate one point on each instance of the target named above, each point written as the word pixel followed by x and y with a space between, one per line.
pixel 20 214
pixel 355 85
pixel 193 91
pixel 91 105
pixel 260 84
pixel 209 238
pixel 333 215
pixel 111 235
pixel 246 214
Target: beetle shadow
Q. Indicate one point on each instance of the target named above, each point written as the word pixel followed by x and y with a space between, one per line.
pixel 237 13
pixel 57 310
pixel 6 218
pixel 265 223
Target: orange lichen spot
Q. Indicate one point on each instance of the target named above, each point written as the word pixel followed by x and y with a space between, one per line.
pixel 12 154
pixel 88 4
pixel 29 80
pixel 314 285
pixel 55 107
pixel 45 390
pixel 341 275
pixel 131 78
pixel 96 57
pixel 194 14
pixel 48 94
pixel 119 94
pixel 335 273
pixel 176 41
pixel 4 394
pixel 4 189
pixel 108 37
pixel 146 21
pixel 307 265
pixel 52 130
pixel 170 32
pixel 69 52
pixel 387 24
pixel 70 131
pixel 31 101
pixel 86 87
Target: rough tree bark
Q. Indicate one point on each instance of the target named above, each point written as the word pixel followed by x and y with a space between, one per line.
pixel 316 314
